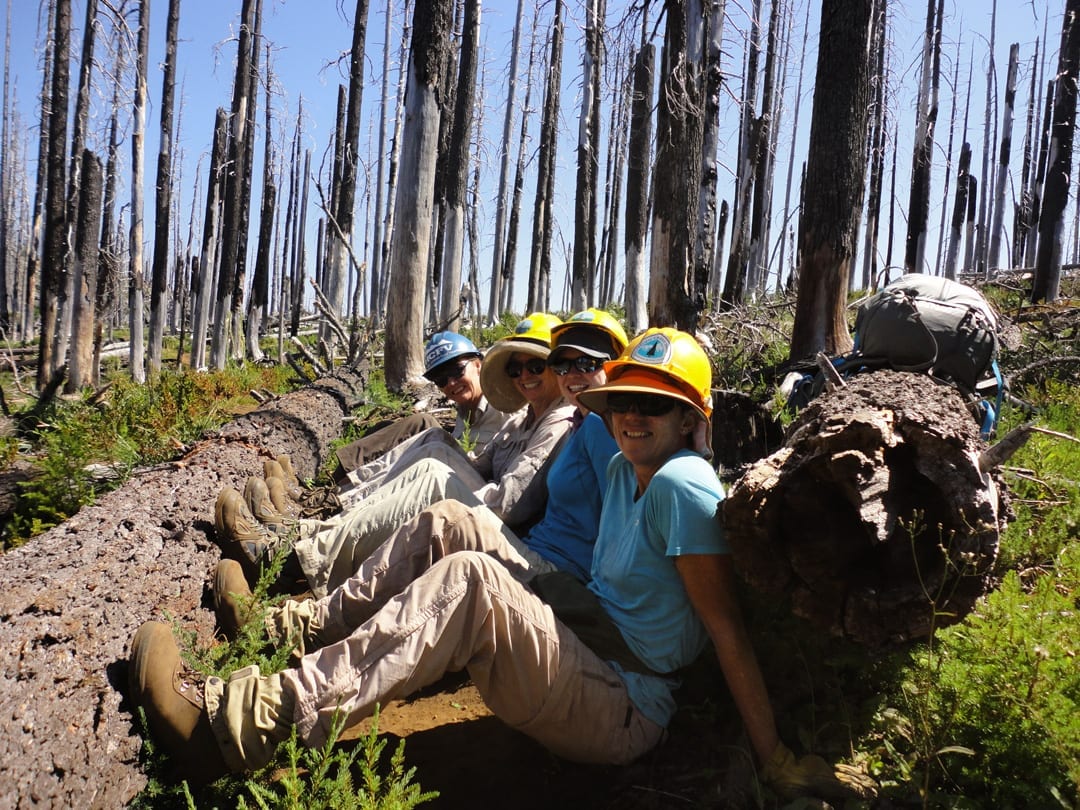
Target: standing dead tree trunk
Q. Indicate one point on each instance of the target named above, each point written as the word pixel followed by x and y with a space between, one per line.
pixel 73 597
pixel 497 262
pixel 979 259
pixel 231 213
pixel 834 179
pixel 540 260
pixel 714 80
pixel 88 235
pixel 211 222
pixel 1056 196
pixel 875 519
pixel 584 269
pixel 919 199
pixel 377 267
pixel 345 195
pixel 457 167
pixel 138 160
pixel 260 282
pixel 510 256
pixel 994 256
pixel 960 207
pixel 415 197
pixel 749 146
pixel 159 272
pixel 637 183
pixel 676 293
pixel 54 253
pixel 879 78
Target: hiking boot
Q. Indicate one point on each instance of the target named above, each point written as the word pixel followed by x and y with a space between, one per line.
pixel 290 478
pixel 233 602
pixel 238 527
pixel 281 501
pixel 174 706
pixel 258 500
pixel 274 468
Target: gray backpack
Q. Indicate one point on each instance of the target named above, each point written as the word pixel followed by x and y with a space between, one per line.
pixel 926 323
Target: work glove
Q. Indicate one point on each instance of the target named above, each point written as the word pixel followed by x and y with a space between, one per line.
pixel 810 775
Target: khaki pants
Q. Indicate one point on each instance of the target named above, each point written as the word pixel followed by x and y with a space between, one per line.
pixel 377 442
pixel 330 551
pixel 443 529
pixel 466 612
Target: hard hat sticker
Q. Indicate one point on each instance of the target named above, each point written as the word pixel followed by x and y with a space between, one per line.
pixel 653 350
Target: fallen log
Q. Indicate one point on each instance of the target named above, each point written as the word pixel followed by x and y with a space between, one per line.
pixel 874 519
pixel 71 599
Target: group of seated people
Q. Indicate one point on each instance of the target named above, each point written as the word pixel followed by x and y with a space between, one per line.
pixel 561 545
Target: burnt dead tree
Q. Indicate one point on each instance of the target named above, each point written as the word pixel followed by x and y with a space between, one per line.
pixel 1048 258
pixel 877 519
pixel 72 598
pixel 834 179
pixel 159 268
pixel 540 258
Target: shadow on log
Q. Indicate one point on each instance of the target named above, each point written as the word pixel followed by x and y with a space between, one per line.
pixel 71 599
pixel 874 518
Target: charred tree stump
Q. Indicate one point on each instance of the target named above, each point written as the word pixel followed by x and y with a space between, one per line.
pixel 874 518
pixel 72 598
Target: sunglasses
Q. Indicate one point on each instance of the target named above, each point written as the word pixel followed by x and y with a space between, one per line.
pixel 644 404
pixel 582 363
pixel 535 367
pixel 444 378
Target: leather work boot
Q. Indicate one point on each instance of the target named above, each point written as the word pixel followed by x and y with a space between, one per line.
pixel 291 479
pixel 237 526
pixel 174 705
pixel 232 598
pixel 282 468
pixel 258 500
pixel 281 501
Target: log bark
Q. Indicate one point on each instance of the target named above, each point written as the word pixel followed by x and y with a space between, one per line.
pixel 71 599
pixel 873 519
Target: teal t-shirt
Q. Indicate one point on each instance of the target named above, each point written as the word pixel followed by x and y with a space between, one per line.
pixel 634 574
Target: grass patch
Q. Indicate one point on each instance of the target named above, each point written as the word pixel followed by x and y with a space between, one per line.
pixel 82 447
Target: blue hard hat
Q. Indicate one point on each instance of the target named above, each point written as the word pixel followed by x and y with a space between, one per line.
pixel 446 346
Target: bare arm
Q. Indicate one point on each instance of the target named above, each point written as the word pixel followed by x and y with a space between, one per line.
pixel 709 580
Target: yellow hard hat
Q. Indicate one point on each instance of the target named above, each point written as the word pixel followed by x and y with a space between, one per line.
pixel 661 360
pixel 571 331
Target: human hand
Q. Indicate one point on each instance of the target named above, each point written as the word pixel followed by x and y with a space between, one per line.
pixel 811 775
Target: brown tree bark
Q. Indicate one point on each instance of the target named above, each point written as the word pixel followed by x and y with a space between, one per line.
pixel 834 179
pixel 85 272
pixel 676 293
pixel 874 519
pixel 71 599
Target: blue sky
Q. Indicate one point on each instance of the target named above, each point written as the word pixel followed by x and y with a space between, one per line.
pixel 309 37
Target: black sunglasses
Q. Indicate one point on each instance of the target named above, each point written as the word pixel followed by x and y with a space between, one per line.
pixel 443 378
pixel 534 366
pixel 644 404
pixel 582 363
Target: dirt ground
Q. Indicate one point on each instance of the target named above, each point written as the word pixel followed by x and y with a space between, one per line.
pixel 475 761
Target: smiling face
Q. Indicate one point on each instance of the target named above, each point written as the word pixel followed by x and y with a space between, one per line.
pixel 648 442
pixel 539 389
pixel 574 381
pixel 465 389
